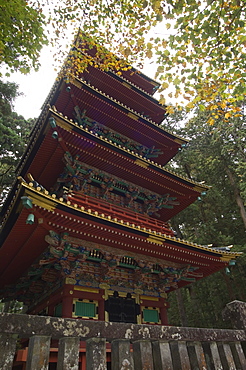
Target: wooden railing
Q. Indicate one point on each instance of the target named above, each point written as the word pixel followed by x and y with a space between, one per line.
pixel 139 347
pixel 120 213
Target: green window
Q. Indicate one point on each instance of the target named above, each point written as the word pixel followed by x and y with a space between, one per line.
pixel 85 309
pixel 150 315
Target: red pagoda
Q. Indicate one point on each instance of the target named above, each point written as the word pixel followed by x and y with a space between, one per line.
pixel 85 230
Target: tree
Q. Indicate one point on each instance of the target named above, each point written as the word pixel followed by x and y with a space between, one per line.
pixel 201 54
pixel 14 134
pixel 8 92
pixel 216 155
pixel 21 34
pixel 215 218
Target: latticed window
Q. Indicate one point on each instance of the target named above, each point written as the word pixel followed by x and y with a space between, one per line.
pixel 151 315
pixel 85 309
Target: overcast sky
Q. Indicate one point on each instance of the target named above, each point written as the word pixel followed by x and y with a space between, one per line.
pixel 34 86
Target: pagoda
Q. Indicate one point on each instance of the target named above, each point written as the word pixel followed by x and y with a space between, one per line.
pixel 85 229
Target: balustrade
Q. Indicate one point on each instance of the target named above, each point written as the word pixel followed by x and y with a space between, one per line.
pixel 132 346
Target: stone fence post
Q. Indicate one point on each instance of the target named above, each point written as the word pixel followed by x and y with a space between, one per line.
pixel 236 312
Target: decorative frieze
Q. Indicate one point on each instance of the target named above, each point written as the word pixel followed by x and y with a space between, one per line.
pixel 78 178
pixel 91 265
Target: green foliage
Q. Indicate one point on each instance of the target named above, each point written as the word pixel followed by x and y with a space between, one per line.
pixel 207 50
pixel 199 50
pixel 14 134
pixel 215 155
pixel 201 55
pixel 11 307
pixel 21 34
pixel 8 92
pixel 205 300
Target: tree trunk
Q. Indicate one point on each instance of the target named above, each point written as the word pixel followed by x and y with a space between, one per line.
pixel 229 285
pixel 182 313
pixel 237 195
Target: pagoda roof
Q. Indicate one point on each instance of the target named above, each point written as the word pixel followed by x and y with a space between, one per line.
pixel 130 74
pixel 124 91
pixel 114 115
pixel 140 80
pixel 44 161
pixel 25 243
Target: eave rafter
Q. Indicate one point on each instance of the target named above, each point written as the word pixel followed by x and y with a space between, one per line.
pixel 74 128
pixel 98 231
pixel 126 92
pixel 120 161
pixel 60 206
pixel 136 116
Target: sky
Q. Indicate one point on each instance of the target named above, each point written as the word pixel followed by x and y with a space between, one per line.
pixel 35 86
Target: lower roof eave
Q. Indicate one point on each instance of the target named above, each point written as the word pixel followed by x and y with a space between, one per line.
pixel 25 242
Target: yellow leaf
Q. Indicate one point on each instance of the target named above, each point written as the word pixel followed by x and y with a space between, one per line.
pixel 160 69
pixel 149 54
pixel 211 121
pixel 165 85
pixel 170 109
pixel 162 100
pixel 127 52
pixel 190 105
pixel 227 115
pixel 214 106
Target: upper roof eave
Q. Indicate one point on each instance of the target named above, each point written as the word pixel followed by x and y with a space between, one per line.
pixel 79 42
pixel 143 118
pixel 198 186
pixel 125 79
pixel 195 185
